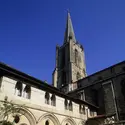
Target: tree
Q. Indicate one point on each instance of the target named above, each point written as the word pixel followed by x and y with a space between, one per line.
pixel 7 108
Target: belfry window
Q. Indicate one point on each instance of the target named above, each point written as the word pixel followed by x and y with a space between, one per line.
pixel 27 91
pixel 64 77
pixel 18 88
pixel 76 56
pixel 53 100
pixel 47 97
pixel 70 105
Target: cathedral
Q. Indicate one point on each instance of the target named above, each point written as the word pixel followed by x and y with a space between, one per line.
pixel 74 98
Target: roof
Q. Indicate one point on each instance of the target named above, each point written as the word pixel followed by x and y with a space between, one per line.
pixel 102 116
pixel 102 70
pixel 69 32
pixel 99 80
pixel 8 71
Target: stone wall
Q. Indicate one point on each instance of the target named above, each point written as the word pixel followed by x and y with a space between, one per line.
pixel 41 111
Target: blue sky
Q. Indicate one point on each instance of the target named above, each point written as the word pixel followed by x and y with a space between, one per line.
pixel 30 30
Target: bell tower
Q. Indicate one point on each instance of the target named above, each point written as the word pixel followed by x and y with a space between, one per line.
pixel 70 61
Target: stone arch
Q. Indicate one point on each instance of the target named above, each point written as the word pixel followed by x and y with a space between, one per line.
pixel 68 120
pixel 48 116
pixel 25 113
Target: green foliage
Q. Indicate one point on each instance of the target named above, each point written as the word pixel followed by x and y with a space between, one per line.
pixel 7 108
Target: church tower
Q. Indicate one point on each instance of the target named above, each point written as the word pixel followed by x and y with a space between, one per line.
pixel 70 61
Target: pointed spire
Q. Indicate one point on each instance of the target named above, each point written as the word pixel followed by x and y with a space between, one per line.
pixel 69 32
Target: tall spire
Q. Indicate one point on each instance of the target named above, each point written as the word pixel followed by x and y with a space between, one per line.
pixel 69 32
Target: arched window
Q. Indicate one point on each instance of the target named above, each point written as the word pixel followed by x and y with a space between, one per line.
pixel 76 56
pixel 47 122
pixel 64 77
pixel 47 97
pixel 53 100
pixel 18 88
pixel 82 109
pixel 66 104
pixel 70 105
pixel 27 91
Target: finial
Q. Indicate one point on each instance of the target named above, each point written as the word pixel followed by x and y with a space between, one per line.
pixel 68 11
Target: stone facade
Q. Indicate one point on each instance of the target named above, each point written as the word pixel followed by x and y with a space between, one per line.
pixel 42 103
pixel 105 89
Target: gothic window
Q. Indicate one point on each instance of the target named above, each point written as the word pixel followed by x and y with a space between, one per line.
pixel 123 88
pixel 66 104
pixel 76 57
pixel 64 77
pixel 18 88
pixel 53 100
pixel 94 96
pixel 70 105
pixel 47 122
pixel 82 95
pixel 47 97
pixel 78 76
pixel 63 58
pixel 27 91
pixel 82 109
